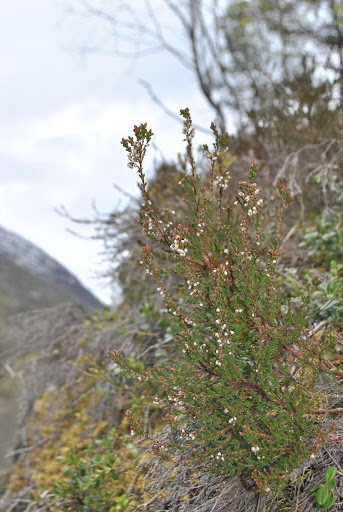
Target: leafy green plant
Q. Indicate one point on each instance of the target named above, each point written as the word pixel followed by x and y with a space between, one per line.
pixel 323 244
pixel 324 241
pixel 327 302
pixel 325 492
pixel 90 480
pixel 239 392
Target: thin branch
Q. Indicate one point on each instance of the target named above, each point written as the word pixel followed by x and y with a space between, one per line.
pixel 26 448
pixel 165 109
pixel 329 411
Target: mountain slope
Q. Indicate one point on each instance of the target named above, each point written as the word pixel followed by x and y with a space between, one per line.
pixel 44 271
pixel 21 291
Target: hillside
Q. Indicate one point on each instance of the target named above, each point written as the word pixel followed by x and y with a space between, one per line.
pixel 30 278
pixel 20 290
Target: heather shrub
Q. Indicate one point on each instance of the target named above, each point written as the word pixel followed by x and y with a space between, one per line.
pixel 238 394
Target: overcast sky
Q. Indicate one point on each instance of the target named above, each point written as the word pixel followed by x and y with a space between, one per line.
pixel 63 115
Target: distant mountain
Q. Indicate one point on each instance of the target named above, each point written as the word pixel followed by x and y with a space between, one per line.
pixel 22 291
pixel 32 278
